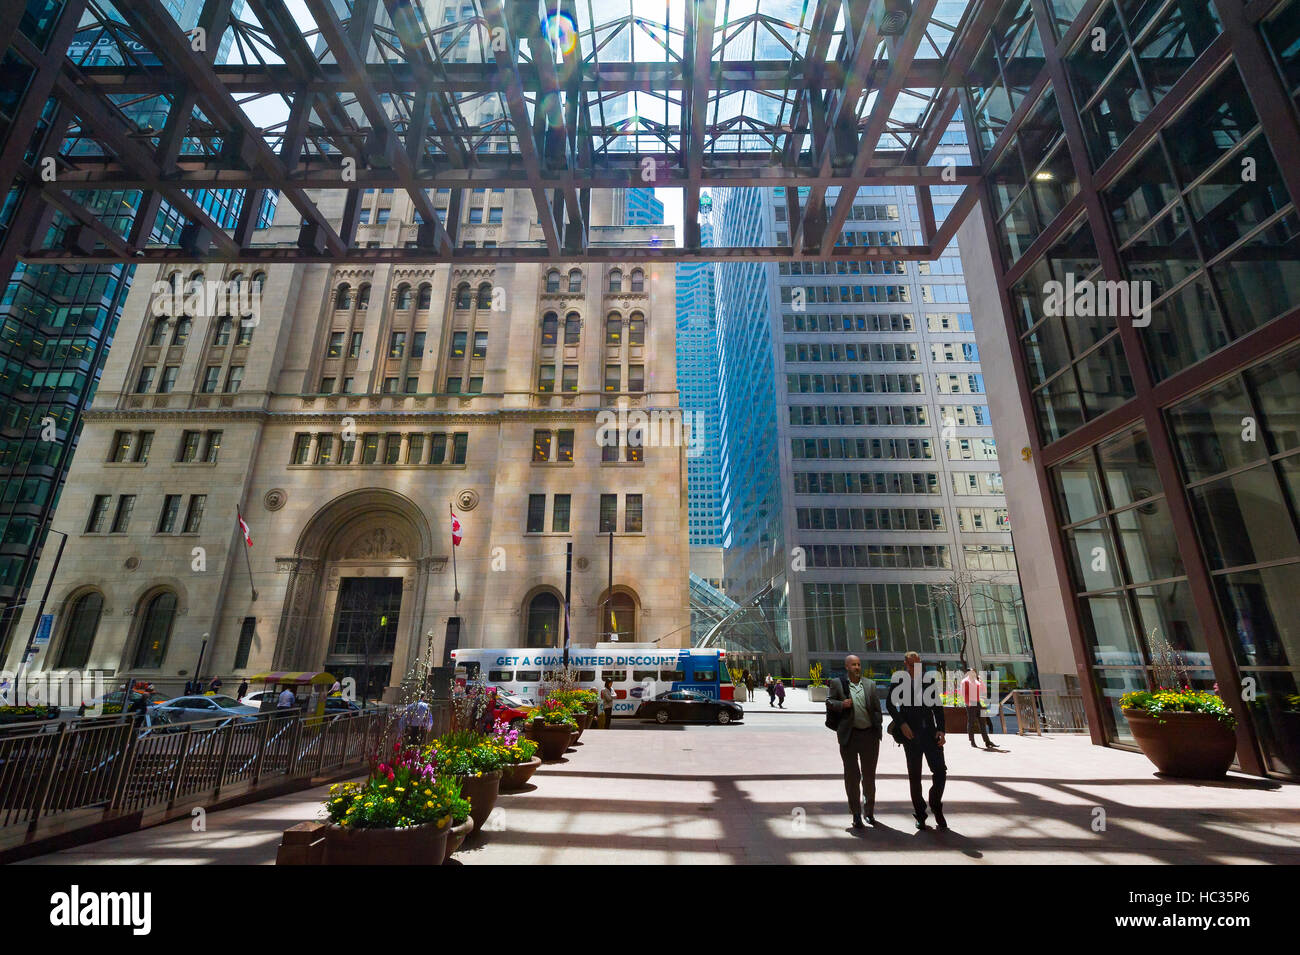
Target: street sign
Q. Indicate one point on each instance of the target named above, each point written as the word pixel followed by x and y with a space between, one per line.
pixel 45 628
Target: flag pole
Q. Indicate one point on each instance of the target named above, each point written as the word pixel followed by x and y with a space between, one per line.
pixel 248 565
pixel 454 577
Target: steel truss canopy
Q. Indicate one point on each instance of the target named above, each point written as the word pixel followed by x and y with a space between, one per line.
pixel 167 137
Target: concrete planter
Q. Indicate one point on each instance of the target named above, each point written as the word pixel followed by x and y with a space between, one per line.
pixel 741 694
pixel 1187 745
pixel 481 791
pixel 516 775
pixel 417 845
pixel 456 837
pixel 818 694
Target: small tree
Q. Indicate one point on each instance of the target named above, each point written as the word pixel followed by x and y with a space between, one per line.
pixel 954 603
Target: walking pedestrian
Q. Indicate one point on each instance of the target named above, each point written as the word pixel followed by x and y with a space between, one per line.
pixel 607 704
pixel 771 690
pixel 779 690
pixel 243 689
pixel 971 689
pixel 749 685
pixel 918 725
pixel 853 711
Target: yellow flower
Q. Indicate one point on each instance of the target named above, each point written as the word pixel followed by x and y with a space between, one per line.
pixel 390 799
pixel 429 804
pixel 443 821
pixel 399 789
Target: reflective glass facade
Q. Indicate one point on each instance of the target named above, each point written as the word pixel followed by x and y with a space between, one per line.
pixel 1143 213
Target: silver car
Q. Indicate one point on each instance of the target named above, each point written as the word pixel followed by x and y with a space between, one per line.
pixel 206 708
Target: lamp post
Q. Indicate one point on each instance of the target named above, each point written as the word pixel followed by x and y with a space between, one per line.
pixel 40 612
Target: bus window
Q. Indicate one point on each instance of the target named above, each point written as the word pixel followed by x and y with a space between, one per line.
pixel 586 676
pixel 672 676
pixel 500 676
pixel 528 676
pixel 705 676
pixel 618 676
pixel 640 676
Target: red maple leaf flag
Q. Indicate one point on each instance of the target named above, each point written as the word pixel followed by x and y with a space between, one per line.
pixel 455 530
pixel 248 535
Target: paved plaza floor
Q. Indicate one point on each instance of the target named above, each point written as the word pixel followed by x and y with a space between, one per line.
pixel 769 790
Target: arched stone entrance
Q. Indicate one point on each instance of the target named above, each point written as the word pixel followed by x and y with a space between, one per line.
pixel 355 602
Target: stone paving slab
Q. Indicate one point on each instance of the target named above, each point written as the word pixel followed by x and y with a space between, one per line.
pixel 770 791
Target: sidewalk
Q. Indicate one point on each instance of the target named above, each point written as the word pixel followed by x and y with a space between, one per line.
pixel 769 791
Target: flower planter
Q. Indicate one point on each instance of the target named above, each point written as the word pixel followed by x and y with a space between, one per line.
pixel 1186 745
pixel 740 694
pixel 818 694
pixel 456 837
pixel 516 775
pixel 954 719
pixel 574 733
pixel 584 721
pixel 416 845
pixel 553 738
pixel 481 791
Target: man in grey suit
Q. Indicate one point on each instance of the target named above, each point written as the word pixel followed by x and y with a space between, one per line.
pixel 853 705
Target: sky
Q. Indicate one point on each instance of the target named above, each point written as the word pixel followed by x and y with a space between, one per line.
pixel 672 200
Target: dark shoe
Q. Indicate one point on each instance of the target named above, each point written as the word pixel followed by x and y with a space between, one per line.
pixel 857 823
pixel 920 823
pixel 871 819
pixel 992 746
pixel 972 742
pixel 940 823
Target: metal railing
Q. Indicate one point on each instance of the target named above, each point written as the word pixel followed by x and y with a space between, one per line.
pixel 1046 711
pixel 55 777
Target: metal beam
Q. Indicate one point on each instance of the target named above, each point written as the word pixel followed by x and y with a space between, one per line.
pixel 700 53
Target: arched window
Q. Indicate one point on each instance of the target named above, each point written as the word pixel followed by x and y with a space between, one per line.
pixel 572 328
pixel 552 281
pixel 550 328
pixel 544 620
pixel 403 296
pixel 638 280
pixel 343 297
pixel 425 298
pixel 79 636
pixel 196 275
pixel 614 329
pixel 485 295
pixel 155 631
pixel 618 618
pixel 616 281
pixel 575 280
pixel 363 296
pixel 462 295
pixel 636 329
pixel 236 279
pixel 259 279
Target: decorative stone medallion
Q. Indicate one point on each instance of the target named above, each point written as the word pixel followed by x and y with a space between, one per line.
pixel 275 499
pixel 467 499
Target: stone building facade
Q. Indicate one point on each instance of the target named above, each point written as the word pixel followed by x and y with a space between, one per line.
pixel 361 407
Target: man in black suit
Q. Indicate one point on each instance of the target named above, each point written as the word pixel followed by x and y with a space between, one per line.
pixel 853 704
pixel 919 715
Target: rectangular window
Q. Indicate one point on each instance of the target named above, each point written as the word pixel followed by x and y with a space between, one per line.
pixel 541 445
pixel 245 332
pixel 347 386
pixel 636 331
pixel 608 513
pixel 480 345
pixel 354 350
pixel 417 345
pixel 189 447
pixel 632 514
pixel 168 380
pixel 335 349
pixel 453 385
pixel 122 517
pixel 234 378
pixel 98 511
pixel 459 444
pixel 546 378
pixel 369 448
pixel 635 441
pixel 476 385
pixel 397 345
pixel 392 447
pixel 143 443
pixel 121 449
pixel 324 447
pixel 636 377
pixel 194 513
pixel 560 514
pixel 437 449
pixel 609 445
pixel 326 386
pixel 245 645
pixel 415 449
pixel 613 377
pixel 536 513
pixel 301 447
pixel 570 381
pixel 390 386
pixel 564 449
pixel 145 381
pixel 412 384
pixel 458 344
pixel 494 215
pixel 167 517
pixel 572 329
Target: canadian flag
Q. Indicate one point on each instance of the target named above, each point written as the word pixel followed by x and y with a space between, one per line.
pixel 248 535
pixel 455 530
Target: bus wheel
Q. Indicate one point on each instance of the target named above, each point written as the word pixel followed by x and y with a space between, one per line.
pixel 724 717
pixel 661 716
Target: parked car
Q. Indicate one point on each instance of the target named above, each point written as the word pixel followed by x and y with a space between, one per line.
pixel 110 704
pixel 206 707
pixel 255 698
pixel 689 706
pixel 337 704
pixel 509 709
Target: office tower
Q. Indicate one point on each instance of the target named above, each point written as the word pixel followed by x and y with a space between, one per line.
pixel 637 207
pixel 1143 284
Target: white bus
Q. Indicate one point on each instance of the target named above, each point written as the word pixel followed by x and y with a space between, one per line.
pixel 638 672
